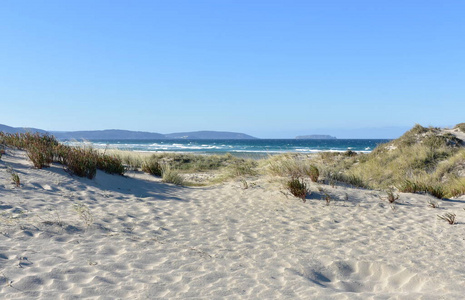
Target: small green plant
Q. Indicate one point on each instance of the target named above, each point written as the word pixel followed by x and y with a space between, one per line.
pixel 15 179
pixel 84 214
pixel 327 198
pixel 298 188
pixel 449 217
pixel 245 185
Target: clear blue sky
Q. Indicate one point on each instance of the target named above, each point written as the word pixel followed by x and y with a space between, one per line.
pixel 267 68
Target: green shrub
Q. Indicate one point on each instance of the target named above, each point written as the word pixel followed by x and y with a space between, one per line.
pixel 297 187
pixel 152 166
pixel 41 155
pixel 81 162
pixel 110 164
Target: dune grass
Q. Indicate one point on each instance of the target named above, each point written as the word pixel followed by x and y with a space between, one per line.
pixel 422 160
pixel 425 160
pixel 43 149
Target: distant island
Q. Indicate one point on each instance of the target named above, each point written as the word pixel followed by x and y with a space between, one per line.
pixel 115 134
pixel 315 137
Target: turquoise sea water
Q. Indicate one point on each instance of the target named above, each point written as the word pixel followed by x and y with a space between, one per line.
pixel 259 146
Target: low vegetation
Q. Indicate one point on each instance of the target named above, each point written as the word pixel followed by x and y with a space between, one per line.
pixel 448 217
pixel 43 149
pixel 422 160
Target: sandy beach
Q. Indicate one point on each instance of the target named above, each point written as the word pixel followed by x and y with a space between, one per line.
pixel 134 237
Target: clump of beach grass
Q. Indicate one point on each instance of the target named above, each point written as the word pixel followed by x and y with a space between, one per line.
pixel 292 165
pixel 152 166
pixel 171 175
pixel 448 217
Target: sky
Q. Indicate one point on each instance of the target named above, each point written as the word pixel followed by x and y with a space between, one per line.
pixel 271 69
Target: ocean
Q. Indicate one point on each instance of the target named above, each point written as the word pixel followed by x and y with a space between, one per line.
pixel 258 146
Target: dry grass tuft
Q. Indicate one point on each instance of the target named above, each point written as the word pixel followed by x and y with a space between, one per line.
pixel 449 217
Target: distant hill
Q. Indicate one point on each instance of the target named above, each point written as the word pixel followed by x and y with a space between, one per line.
pixel 315 137
pixel 110 134
pixel 205 135
pixel 9 129
pixel 114 134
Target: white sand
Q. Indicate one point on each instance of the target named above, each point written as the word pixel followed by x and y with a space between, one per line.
pixel 150 240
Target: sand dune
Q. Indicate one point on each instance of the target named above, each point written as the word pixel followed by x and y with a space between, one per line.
pixel 137 238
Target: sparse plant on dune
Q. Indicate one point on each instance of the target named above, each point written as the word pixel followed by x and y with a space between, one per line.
pixel 433 204
pixel 15 179
pixel 327 197
pixel 449 217
pixel 298 188
pixel 245 185
pixel 14 176
pixel 84 214
pixel 391 197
